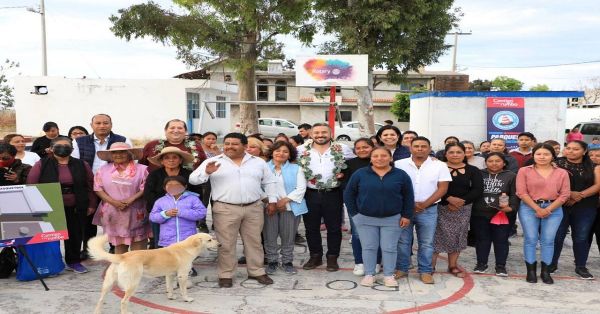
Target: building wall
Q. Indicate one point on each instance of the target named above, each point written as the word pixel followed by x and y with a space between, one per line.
pixel 439 116
pixel 139 108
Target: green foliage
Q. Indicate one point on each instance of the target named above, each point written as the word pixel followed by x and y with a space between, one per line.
pixel 239 30
pixel 6 91
pixel 505 83
pixel 401 106
pixel 398 36
pixel 540 88
pixel 479 85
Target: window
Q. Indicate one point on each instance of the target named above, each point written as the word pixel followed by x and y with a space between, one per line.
pixel 266 122
pixel 284 124
pixel 193 105
pixel 327 89
pixel 262 90
pixel 591 129
pixel 346 115
pixel 280 90
pixel 221 110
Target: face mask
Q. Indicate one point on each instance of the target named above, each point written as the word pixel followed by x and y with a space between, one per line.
pixel 62 150
pixel 7 163
pixel 175 190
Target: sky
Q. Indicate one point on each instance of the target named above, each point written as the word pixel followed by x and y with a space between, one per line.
pixel 513 38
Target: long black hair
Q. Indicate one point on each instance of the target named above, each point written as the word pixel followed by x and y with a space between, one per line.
pixel 588 166
pixel 450 145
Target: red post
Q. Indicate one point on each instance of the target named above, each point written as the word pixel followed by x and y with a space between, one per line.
pixel 332 110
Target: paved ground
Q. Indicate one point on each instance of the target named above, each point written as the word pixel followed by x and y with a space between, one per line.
pixel 319 291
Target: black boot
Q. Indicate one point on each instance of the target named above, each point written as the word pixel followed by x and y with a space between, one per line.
pixel 314 262
pixel 531 272
pixel 545 274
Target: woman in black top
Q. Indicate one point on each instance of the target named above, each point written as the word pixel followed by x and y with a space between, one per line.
pixel 362 148
pixel 41 145
pixel 12 170
pixel 171 160
pixel 454 210
pixel 581 208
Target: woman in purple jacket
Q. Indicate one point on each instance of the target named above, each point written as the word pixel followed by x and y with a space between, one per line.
pixel 177 212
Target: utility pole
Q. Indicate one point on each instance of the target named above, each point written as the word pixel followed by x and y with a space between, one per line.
pixel 44 57
pixel 42 13
pixel 455 47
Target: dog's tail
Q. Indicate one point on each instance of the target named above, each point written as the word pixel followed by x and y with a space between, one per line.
pixel 97 251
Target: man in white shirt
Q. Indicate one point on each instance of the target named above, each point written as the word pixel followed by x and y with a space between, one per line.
pixel 237 180
pixel 322 162
pixel 85 148
pixel 430 178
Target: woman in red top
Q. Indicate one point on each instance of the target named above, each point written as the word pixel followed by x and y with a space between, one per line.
pixel 543 189
pixel 175 134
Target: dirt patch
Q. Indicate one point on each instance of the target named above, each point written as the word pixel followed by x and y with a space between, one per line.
pixel 8 122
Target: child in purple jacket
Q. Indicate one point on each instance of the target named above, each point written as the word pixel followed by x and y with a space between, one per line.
pixel 176 212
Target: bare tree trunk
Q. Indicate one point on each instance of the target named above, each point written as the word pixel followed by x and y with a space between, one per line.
pixel 366 119
pixel 247 86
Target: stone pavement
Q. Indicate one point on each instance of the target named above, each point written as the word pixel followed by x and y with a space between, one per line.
pixel 319 291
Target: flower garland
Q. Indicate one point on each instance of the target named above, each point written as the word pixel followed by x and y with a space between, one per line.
pixel 191 147
pixel 337 157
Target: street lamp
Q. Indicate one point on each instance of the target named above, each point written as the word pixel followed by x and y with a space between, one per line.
pixel 42 13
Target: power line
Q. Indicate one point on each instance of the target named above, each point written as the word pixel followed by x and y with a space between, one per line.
pixel 534 66
pixel 20 7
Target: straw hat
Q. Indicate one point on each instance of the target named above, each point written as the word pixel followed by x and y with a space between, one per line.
pixel 120 146
pixel 187 157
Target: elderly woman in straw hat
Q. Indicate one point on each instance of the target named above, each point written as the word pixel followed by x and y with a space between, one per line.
pixel 120 184
pixel 171 161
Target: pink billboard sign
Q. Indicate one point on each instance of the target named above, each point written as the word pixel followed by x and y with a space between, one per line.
pixel 332 70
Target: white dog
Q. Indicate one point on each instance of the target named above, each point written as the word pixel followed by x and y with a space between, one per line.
pixel 127 269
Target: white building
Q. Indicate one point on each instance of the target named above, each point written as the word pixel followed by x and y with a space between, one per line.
pixel 437 115
pixel 139 107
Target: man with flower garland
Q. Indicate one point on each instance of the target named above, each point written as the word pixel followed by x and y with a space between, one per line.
pixel 322 162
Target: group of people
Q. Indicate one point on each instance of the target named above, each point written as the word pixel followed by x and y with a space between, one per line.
pixel 391 185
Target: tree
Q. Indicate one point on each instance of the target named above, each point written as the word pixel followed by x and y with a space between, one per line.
pixel 591 90
pixel 401 107
pixel 238 31
pixel 479 85
pixel 505 83
pixel 540 88
pixel 6 90
pixel 398 36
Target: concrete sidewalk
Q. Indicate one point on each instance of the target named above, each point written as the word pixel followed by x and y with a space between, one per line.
pixel 319 291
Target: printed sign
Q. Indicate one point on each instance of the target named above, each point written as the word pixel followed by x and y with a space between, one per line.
pixel 31 214
pixel 505 119
pixel 332 70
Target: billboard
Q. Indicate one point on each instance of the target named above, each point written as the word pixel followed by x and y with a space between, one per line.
pixel 505 119
pixel 332 70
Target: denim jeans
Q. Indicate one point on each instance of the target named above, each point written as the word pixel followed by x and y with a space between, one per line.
pixel 357 247
pixel 378 232
pixel 581 221
pixel 425 223
pixel 486 234
pixel 533 233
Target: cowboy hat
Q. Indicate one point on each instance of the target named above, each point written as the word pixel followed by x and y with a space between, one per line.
pixel 136 153
pixel 187 157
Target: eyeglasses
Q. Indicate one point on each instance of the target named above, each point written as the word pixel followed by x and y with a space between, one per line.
pixel 5 158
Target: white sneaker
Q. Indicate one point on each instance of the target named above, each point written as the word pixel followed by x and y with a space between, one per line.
pixel 359 270
pixel 367 281
pixel 377 268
